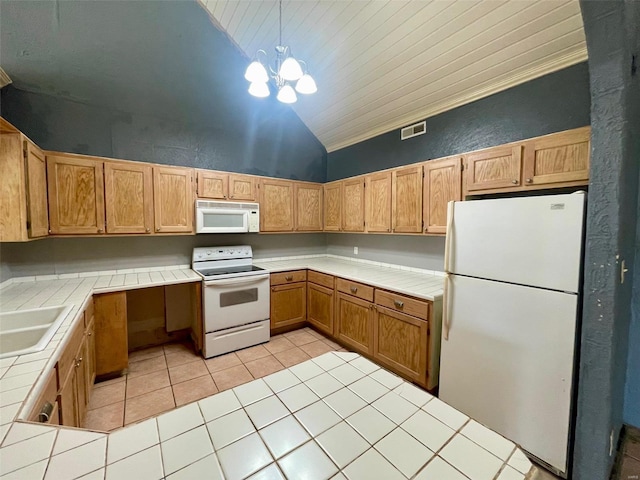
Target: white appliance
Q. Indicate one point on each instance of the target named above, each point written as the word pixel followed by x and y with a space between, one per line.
pixel 510 313
pixel 235 299
pixel 227 217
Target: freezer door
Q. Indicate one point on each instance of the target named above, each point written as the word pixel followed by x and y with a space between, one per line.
pixel 508 361
pixel 534 241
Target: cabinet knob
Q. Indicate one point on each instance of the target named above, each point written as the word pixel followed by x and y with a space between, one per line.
pixel 529 180
pixel 388 229
pixel 148 230
pixel 224 196
pixel 288 278
pixel 353 289
pixel 89 334
pixel 515 182
pixel 398 303
pixel 99 230
pixel 157 229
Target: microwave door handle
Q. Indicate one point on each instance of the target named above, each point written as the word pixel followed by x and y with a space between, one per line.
pixel 235 281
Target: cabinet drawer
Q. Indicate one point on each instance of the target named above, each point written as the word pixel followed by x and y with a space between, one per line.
pixel 354 288
pixel 283 278
pixel 401 303
pixel 67 360
pixel 49 394
pixel 320 279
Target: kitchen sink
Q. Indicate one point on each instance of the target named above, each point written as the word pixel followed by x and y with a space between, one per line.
pixel 29 331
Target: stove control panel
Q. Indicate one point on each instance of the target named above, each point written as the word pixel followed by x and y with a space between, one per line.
pixel 203 254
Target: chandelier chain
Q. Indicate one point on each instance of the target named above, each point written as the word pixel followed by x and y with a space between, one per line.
pixel 280 23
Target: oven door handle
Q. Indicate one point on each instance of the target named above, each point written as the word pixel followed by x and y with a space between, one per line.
pixel 236 281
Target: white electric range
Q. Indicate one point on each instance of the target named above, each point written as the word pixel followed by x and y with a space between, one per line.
pixel 235 299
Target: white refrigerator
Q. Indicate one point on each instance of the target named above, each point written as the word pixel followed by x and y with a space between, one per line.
pixel 510 317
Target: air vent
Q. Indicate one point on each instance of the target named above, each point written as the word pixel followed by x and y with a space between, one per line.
pixel 413 130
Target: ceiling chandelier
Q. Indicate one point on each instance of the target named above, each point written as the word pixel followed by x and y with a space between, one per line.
pixel 287 71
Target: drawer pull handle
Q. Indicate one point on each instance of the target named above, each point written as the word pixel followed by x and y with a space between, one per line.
pixel 354 289
pixel 45 412
pixel 398 303
pixel 288 278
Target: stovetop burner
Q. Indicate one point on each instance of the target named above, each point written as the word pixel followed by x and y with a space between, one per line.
pixel 213 272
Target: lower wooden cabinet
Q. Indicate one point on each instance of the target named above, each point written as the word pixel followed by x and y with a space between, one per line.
pixel 354 322
pixel 400 343
pixel 45 410
pixel 76 378
pixel 288 304
pixel 320 307
pixel 111 340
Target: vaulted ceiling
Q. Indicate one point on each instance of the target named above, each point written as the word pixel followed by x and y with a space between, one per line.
pixel 381 65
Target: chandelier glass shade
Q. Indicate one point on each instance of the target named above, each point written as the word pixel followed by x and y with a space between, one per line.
pixel 287 72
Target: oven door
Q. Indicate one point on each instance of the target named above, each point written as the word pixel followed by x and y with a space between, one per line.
pixel 221 220
pixel 231 302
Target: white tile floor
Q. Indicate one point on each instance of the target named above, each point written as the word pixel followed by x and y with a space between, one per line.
pixel 335 416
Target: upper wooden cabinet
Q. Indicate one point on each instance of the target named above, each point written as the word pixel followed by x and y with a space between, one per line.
pixel 353 205
pixel 173 198
pixel 76 194
pixel 378 202
pixel 213 184
pixel 332 206
pixel 128 197
pixel 23 189
pixel 226 186
pixel 308 207
pixel 276 205
pixel 242 187
pixel 557 158
pixel 442 184
pixel 407 200
pixel 497 167
pixel 37 211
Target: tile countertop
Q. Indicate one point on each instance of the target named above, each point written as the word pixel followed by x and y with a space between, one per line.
pixel 19 375
pixel 426 284
pixel 335 416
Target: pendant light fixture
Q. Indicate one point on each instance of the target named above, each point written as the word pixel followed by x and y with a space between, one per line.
pixel 288 70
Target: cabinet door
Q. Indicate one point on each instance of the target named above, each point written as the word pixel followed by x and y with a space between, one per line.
pixel 173 199
pixel 213 184
pixel 288 304
pixel 37 211
pixel 242 187
pixel 407 200
pixel 493 168
pixel 276 205
pixel 90 358
pixel 400 342
pixel 332 206
pixel 82 399
pixel 378 202
pixel 128 197
pixel 353 205
pixel 558 158
pixel 68 401
pixel 76 195
pixel 111 339
pixel 320 307
pixel 442 184
pixel 308 207
pixel 354 322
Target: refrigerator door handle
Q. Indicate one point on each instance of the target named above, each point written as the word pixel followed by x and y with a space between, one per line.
pixel 445 308
pixel 449 236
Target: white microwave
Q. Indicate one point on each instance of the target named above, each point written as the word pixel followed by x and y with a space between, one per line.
pixel 227 217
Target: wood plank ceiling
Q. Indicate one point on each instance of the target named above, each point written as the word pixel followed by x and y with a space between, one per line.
pixel 381 65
